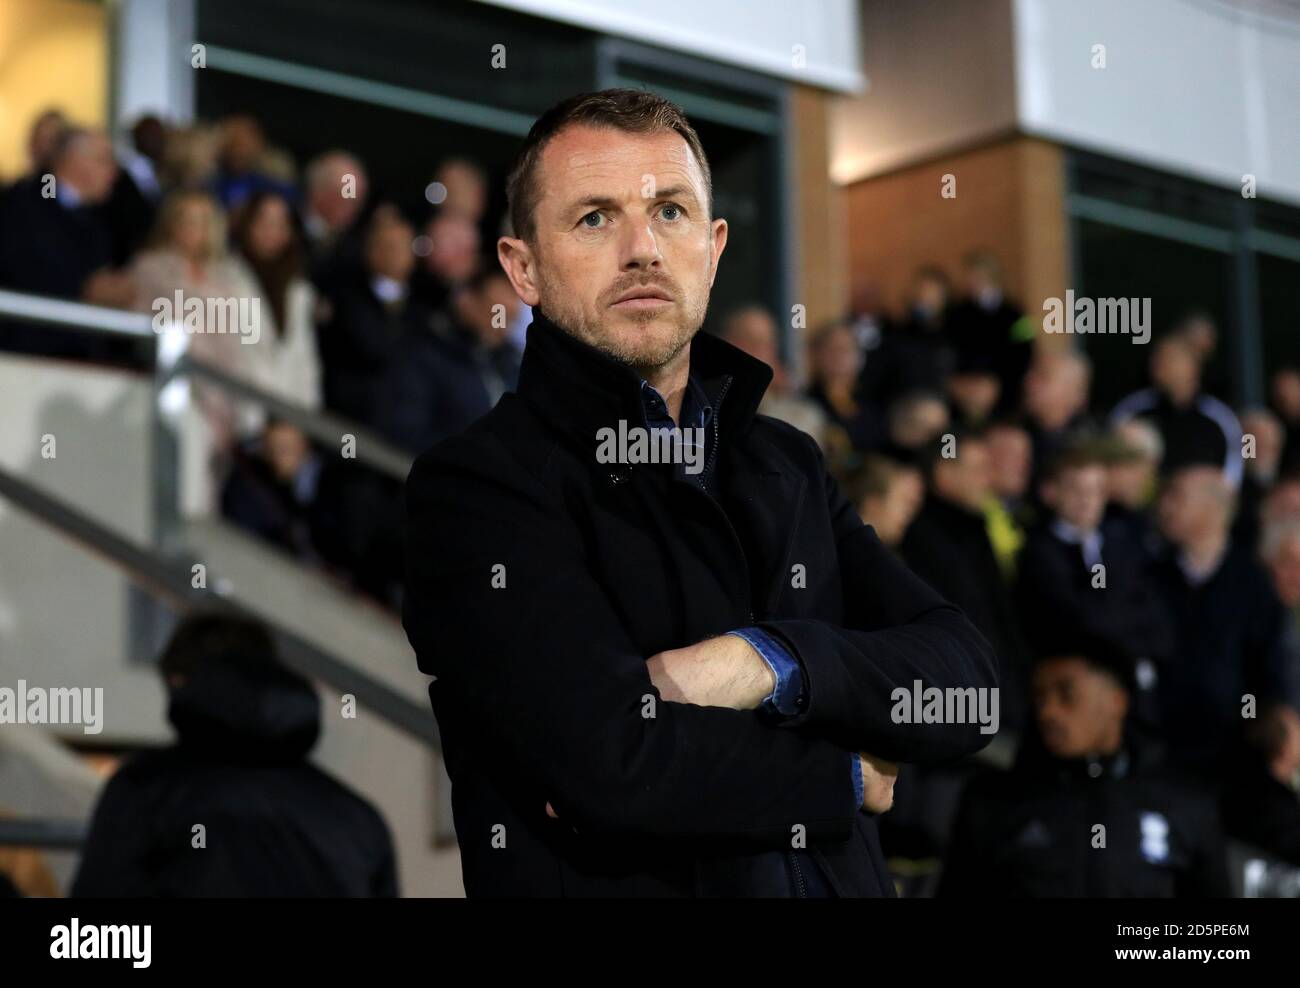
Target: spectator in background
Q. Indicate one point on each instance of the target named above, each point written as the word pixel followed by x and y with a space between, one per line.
pixel 1286 404
pixel 1075 572
pixel 336 191
pixel 452 258
pixel 372 312
pixel 1007 511
pixel 272 488
pixel 277 826
pixel 1031 832
pixel 129 210
pixel 1262 804
pixel 974 389
pixel 1198 329
pixel 145 158
pixel 1011 453
pixel 190 157
pixel 1283 502
pixel 1279 550
pixel 751 328
pixel 1134 471
pixel 916 420
pixel 915 355
pixel 1192 425
pixel 988 329
pixel 464 189
pixel 1132 479
pixel 1261 451
pixel 284 361
pixel 43 138
pixel 887 495
pixel 453 371
pixel 1234 637
pixel 243 167
pixel 53 238
pixel 1056 399
pixel 948 546
pixel 188 255
pixel 853 424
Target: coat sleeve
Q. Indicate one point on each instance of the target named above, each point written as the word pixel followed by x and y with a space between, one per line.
pixel 523 640
pixel 896 631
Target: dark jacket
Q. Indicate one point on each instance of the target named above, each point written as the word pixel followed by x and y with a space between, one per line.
pixel 274 824
pixel 1030 833
pixel 359 344
pixel 948 547
pixel 1262 811
pixel 48 248
pixel 1233 637
pixel 1055 587
pixel 990 337
pixel 539 582
pixel 440 381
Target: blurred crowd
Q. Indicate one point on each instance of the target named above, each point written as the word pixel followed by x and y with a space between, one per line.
pixel 1137 567
pixel 395 317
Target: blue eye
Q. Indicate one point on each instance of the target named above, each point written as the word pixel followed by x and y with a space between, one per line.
pixel 677 212
pixel 589 217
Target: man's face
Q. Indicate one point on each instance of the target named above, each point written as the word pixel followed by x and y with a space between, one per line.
pixel 1286 393
pixel 755 332
pixel 1191 504
pixel 1176 371
pixel 389 253
pixel 1284 566
pixel 89 166
pixel 1011 454
pixel 1080 710
pixel 327 195
pixel 966 478
pixel 624 252
pixel 975 393
pixel 489 311
pixel 1079 495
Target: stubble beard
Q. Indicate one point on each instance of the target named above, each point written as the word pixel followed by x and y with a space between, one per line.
pixel 641 356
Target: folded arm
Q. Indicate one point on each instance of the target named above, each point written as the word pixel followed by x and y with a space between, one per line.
pixel 896 631
pixel 503 609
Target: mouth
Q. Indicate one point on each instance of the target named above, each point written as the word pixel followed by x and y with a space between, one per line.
pixel 643 298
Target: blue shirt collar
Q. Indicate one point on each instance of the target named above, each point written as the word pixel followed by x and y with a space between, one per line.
pixel 696 411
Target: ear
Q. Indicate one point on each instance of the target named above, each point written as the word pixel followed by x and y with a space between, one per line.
pixel 718 235
pixel 519 263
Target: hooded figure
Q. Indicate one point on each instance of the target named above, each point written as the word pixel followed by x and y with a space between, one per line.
pixel 234 808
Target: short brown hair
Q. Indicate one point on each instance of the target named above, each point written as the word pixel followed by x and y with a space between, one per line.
pixel 634 111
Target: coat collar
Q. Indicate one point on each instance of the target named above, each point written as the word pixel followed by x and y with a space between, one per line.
pixel 581 390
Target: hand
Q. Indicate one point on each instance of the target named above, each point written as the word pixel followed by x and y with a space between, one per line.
pixel 720 672
pixel 115 289
pixel 878 777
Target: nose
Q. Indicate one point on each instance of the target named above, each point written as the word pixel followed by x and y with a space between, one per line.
pixel 640 249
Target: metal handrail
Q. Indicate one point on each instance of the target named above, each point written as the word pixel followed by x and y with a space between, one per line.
pixel 169 579
pixel 55 834
pixel 166 576
pixel 324 427
pixel 74 315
